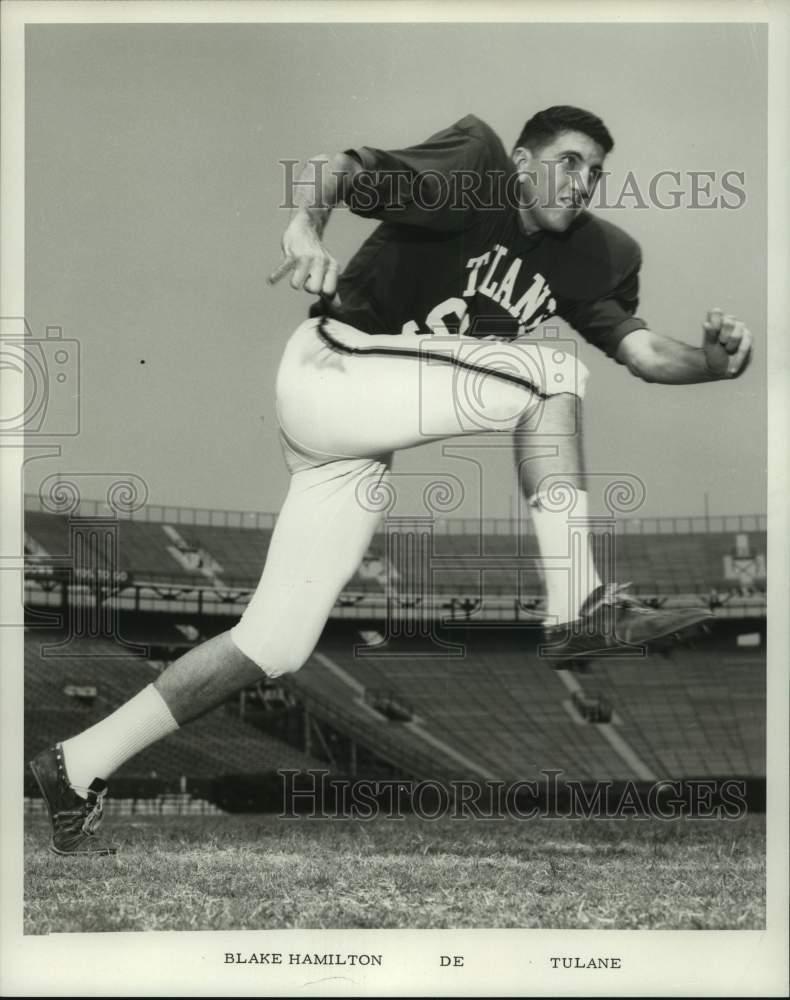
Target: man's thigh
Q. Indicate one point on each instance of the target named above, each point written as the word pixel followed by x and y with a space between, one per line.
pixel 344 393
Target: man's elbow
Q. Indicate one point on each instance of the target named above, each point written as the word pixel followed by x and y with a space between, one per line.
pixel 645 367
pixel 640 356
pixel 344 165
pixel 340 165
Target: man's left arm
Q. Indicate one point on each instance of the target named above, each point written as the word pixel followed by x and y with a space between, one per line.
pixel 725 353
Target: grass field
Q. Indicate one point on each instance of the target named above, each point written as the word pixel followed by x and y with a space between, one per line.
pixel 256 872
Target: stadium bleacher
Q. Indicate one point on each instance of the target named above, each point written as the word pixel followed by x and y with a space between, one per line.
pixel 240 551
pixel 497 711
pixel 502 714
pixel 701 712
pixel 506 713
pixel 658 562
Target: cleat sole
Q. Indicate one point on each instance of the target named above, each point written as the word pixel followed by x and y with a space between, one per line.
pixel 101 852
pixel 661 643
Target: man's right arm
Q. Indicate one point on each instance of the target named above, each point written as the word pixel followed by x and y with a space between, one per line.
pixel 320 187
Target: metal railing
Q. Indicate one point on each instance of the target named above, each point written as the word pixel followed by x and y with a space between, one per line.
pixel 158 514
pixel 259 520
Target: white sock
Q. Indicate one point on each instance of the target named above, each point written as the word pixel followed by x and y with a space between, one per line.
pixel 102 749
pixel 562 538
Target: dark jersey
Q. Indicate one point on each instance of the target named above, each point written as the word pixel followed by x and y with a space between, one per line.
pixel 450 256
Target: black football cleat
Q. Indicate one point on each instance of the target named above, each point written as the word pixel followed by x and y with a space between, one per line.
pixel 74 819
pixel 613 623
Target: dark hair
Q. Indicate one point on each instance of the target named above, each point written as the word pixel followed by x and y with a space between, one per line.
pixel 546 125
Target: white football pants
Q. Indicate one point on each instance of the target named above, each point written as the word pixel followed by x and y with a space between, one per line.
pixel 345 402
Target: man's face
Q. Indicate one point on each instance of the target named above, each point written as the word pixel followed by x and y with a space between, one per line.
pixel 557 180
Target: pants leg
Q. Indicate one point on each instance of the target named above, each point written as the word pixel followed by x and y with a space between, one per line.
pixel 345 402
pixel 324 529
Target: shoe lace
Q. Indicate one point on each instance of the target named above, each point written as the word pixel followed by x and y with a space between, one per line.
pixel 94 811
pixel 614 595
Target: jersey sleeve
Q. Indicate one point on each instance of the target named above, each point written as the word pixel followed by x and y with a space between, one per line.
pixel 606 321
pixel 436 184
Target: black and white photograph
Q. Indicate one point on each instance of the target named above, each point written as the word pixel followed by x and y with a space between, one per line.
pixel 394 447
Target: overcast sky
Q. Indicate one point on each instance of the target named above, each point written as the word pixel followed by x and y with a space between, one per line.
pixel 153 187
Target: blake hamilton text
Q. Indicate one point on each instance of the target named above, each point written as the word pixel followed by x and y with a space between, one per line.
pixel 299 958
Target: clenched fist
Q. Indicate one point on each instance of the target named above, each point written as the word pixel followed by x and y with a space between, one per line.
pixel 305 256
pixel 727 345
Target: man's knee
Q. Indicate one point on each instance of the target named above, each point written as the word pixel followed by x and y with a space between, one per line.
pixel 275 655
pixel 562 387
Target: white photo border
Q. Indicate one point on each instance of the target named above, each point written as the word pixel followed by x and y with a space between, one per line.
pixel 664 963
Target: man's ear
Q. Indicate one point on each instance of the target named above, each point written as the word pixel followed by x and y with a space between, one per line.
pixel 522 157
